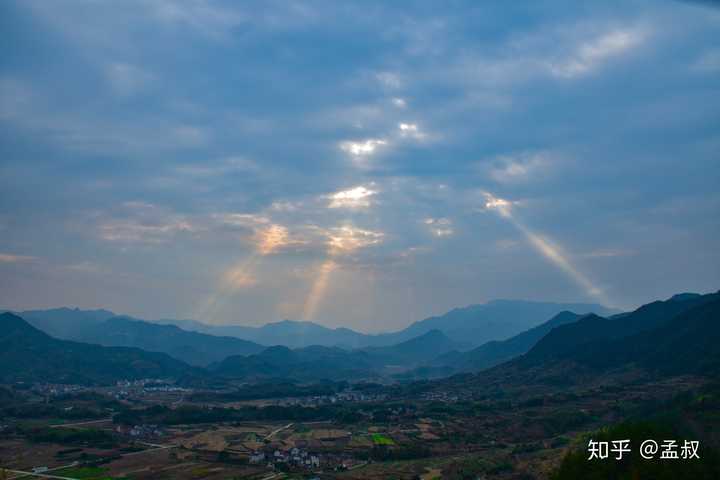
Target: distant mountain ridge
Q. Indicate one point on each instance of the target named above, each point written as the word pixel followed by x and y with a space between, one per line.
pixel 473 325
pixel 292 334
pixel 334 363
pixel 495 352
pixel 28 354
pixel 65 323
pixel 469 326
pixel 191 347
pixel 575 340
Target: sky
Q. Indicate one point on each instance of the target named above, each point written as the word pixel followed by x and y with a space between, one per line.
pixel 360 164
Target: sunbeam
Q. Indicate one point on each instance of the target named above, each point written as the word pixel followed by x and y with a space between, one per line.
pixel 237 277
pixel 317 292
pixel 550 251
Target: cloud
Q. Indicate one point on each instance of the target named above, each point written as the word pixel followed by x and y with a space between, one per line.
pixel 142 223
pixel 591 54
pixel 439 227
pixel 399 102
pixel 389 79
pixel 361 151
pixel 502 206
pixel 356 197
pixel 363 147
pixel 242 219
pixel 131 231
pixel 520 167
pixel 410 130
pixel 272 238
pixel 285 206
pixel 347 239
pixel 127 80
pixel 10 258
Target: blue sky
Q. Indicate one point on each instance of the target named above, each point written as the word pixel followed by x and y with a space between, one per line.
pixel 361 164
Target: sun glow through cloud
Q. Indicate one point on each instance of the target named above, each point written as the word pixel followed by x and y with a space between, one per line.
pixel 357 197
pixel 340 241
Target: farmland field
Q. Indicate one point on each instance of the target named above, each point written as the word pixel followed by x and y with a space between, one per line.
pixel 380 439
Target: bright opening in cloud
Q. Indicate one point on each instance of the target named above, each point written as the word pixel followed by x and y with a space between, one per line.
pixel 357 197
pixel 439 227
pixel 271 239
pixel 366 147
pixel 347 239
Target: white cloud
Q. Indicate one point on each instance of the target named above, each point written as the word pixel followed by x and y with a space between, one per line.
pixel 347 239
pixel 410 130
pixel 362 148
pixel 439 227
pixel 399 102
pixel 500 204
pixel 593 53
pixel 361 151
pixel 356 197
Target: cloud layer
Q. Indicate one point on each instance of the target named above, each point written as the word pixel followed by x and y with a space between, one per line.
pixel 359 164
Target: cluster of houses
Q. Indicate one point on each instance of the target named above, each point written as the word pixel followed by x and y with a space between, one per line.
pixel 132 388
pixel 349 396
pixel 294 457
pixel 141 431
pixel 49 389
pixel 440 396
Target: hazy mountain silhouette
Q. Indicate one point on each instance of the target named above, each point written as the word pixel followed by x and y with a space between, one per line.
pixel 575 337
pixel 320 362
pixel 191 347
pixel 419 349
pixel 304 364
pixel 27 354
pixel 495 352
pixel 65 323
pixel 469 326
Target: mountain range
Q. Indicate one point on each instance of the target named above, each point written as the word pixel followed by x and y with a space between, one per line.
pixel 333 363
pixel 491 353
pixel 469 326
pixel 679 335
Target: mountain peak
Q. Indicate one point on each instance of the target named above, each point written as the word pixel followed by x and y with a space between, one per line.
pixel 681 297
pixel 11 324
